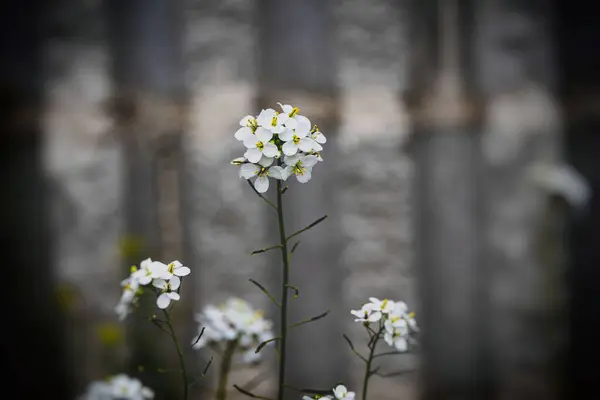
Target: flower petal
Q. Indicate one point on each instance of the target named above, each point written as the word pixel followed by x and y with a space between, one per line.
pixel 303 124
pixel 277 173
pixel 286 135
pixel 291 123
pixel 163 301
pixel 243 133
pixel 306 144
pixel 173 295
pixel 270 150
pixel 250 141
pixel 305 177
pixel 238 161
pixel 159 283
pixel 175 282
pixel 309 161
pixel 289 148
pixel 266 161
pixel 261 184
pixel 144 280
pixel 319 137
pixel 263 135
pixel 246 120
pixel 182 271
pixel 316 146
pixel 253 155
pixel 400 344
pixel 247 171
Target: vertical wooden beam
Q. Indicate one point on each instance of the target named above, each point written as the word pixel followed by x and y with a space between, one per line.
pixel 297 66
pixel 445 110
pixel 150 100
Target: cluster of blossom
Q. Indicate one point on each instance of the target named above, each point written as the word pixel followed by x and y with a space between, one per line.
pixel 234 321
pixel 397 322
pixel 164 277
pixel 340 393
pixel 272 134
pixel 119 387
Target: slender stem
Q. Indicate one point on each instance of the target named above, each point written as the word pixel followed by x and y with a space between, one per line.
pixel 184 375
pixel 284 293
pixel 225 368
pixel 368 371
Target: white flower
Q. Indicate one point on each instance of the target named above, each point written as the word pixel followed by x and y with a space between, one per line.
pixel 148 271
pixel 168 288
pixel 301 166
pixel 295 120
pixel 396 340
pixel 119 387
pixel 294 141
pixel 366 314
pixel 385 305
pixel 259 144
pixel 238 161
pixel 131 288
pixel 271 120
pixel 341 393
pixel 317 135
pixel 261 184
pixel 248 126
pixel 175 268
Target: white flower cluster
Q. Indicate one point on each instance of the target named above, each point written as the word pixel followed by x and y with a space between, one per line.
pixel 272 134
pixel 393 316
pixel 164 277
pixel 234 321
pixel 340 393
pixel 119 387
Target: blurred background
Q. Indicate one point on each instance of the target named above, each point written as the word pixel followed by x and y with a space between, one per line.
pixel 461 175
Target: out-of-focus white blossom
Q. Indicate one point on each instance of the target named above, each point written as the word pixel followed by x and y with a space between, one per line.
pixel 395 321
pixel 165 278
pixel 269 136
pixel 340 392
pixel 237 321
pixel 119 387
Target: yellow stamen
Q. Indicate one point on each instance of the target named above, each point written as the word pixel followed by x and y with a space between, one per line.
pixel 296 139
pixel 295 111
pixel 260 145
pixel 274 121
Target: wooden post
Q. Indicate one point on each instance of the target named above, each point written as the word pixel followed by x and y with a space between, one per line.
pixel 445 110
pixel 146 40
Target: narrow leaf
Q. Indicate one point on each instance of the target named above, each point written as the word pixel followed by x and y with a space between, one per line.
pixel 250 394
pixel 263 344
pixel 277 246
pixel 294 247
pixel 199 337
pixel 265 291
pixel 353 349
pixel 307 228
pixel 306 321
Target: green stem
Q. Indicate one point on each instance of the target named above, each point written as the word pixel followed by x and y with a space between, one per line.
pixel 225 368
pixel 179 354
pixel 284 293
pixel 368 372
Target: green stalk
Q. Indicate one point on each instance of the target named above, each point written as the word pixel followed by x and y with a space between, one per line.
pixel 179 354
pixel 225 368
pixel 368 371
pixel 284 293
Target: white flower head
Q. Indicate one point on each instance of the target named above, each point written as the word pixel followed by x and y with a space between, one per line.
pixel 168 288
pixel 260 144
pixel 148 271
pixel 174 268
pixel 366 314
pixel 341 393
pixel 262 174
pixel 119 387
pixel 248 127
pixel 317 135
pixel 385 305
pixel 301 166
pixel 272 121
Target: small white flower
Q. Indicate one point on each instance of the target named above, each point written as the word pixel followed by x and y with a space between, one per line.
pixel 248 126
pixel 366 314
pixel 119 387
pixel 341 393
pixel 295 120
pixel 271 120
pixel 168 288
pixel 174 268
pixel 396 340
pixel 148 271
pixel 300 166
pixel 385 305
pixel 317 135
pixel 259 144
pixel 261 184
pixel 238 161
pixel 294 141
